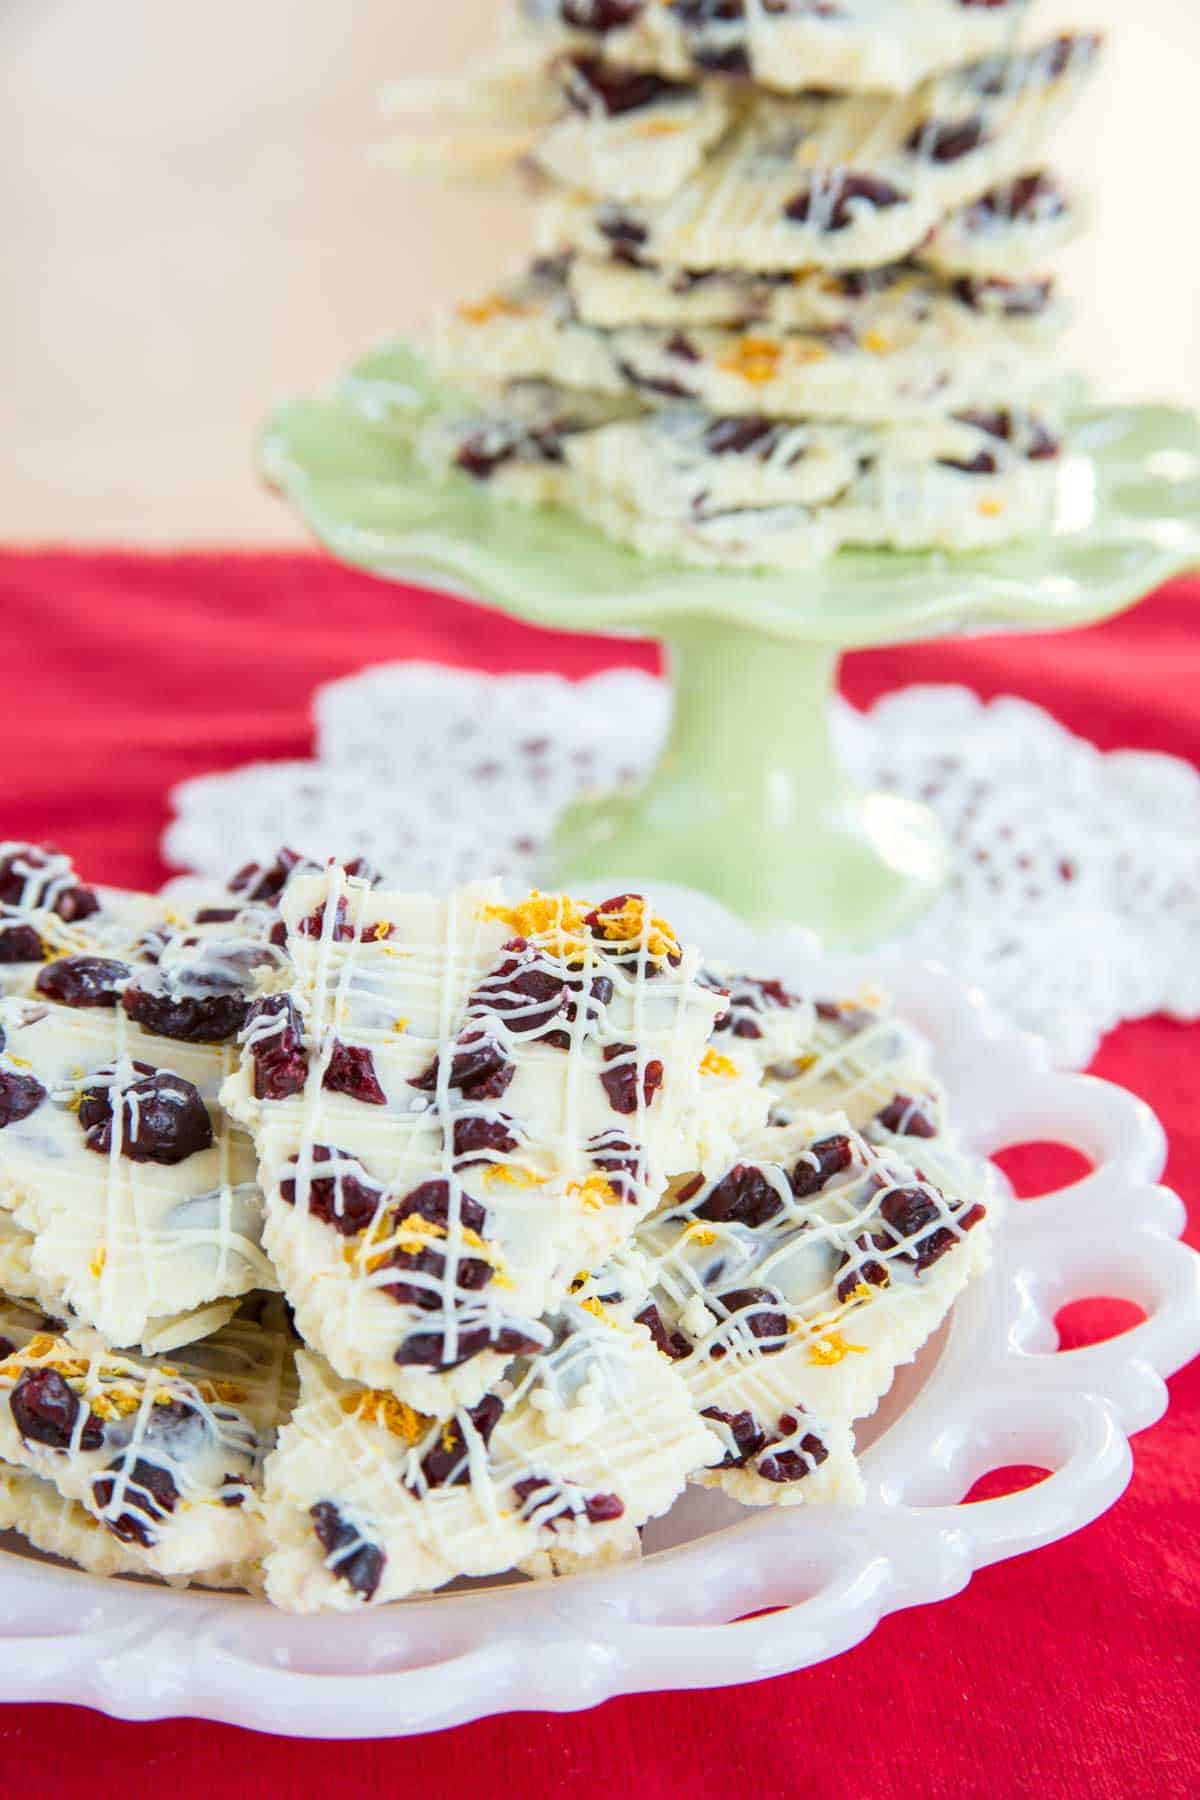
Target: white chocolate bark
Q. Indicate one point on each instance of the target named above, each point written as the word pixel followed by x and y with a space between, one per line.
pixel 840 181
pixel 367 1501
pixel 885 302
pixel 919 361
pixel 792 1287
pixel 478 1100
pixel 131 1229
pixel 887 45
pixel 165 1457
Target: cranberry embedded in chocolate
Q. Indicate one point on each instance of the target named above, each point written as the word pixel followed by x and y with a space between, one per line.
pixel 831 1154
pixel 480 1070
pixel 275 1041
pixel 266 881
pixel 83 981
pixel 734 436
pixel 620 1081
pixel 535 1492
pixel 744 1196
pixel 944 141
pixel 617 1160
pixel 314 925
pixel 667 1343
pixel 163 1118
pixel 7 1348
pixel 862 1266
pixel 33 877
pixel 351 1557
pixel 432 1202
pixel 913 1215
pixel 20 1095
pixel 1009 299
pixel 431 1350
pixel 596 86
pixel 620 228
pixel 763 1318
pixel 347 1199
pixel 906 1117
pixel 448 1464
pixel 748 1437
pixel 21 944
pixel 836 205
pixel 600 15
pixel 654 384
pixel 1032 197
pixel 351 1070
pixel 147 1493
pixel 793 1464
pixel 186 1018
pixel 46 1411
pixel 477 1133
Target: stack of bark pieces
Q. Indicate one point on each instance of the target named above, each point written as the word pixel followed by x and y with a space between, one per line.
pixel 791 292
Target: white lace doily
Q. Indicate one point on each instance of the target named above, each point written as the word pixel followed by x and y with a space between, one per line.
pixel 1074 898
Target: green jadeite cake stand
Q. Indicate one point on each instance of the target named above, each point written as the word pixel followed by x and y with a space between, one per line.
pixel 749 802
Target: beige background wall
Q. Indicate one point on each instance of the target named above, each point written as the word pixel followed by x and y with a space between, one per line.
pixel 192 224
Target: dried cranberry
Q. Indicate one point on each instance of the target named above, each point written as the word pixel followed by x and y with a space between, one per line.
pixel 620 1082
pixel 431 1201
pixel 654 384
pixel 20 1095
pixel 266 881
pixel 348 1199
pixel 833 1154
pixel 46 1411
pixel 598 1509
pixel 1012 299
pixel 912 1214
pixel 620 227
pixel 1033 196
pixel 480 1070
pixel 593 84
pixel 275 1041
pixel 314 925
pixel 477 1133
pixel 353 1559
pixel 744 1196
pixel 448 1464
pixel 942 141
pixel 668 1343
pixel 163 1118
pixel 906 1117
pixel 21 944
pixel 600 15
pixel 748 1437
pixel 189 1018
pixel 838 205
pixel 216 915
pixel 734 436
pixel 83 981
pixel 764 1320
pixel 26 864
pixel 149 1492
pixel 793 1465
pixel 7 1348
pixel 616 1159
pixel 862 1265
pixel 528 996
pixel 351 1070
pixel 234 1490
pixel 429 1349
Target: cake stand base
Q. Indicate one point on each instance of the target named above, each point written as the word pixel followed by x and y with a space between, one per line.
pixel 749 802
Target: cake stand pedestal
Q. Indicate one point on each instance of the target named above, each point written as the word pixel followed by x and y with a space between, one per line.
pixel 749 802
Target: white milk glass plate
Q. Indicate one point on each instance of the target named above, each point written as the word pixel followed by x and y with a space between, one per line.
pixel 724 1594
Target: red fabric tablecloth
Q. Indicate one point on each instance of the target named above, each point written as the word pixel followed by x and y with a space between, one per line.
pixel 1075 1671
